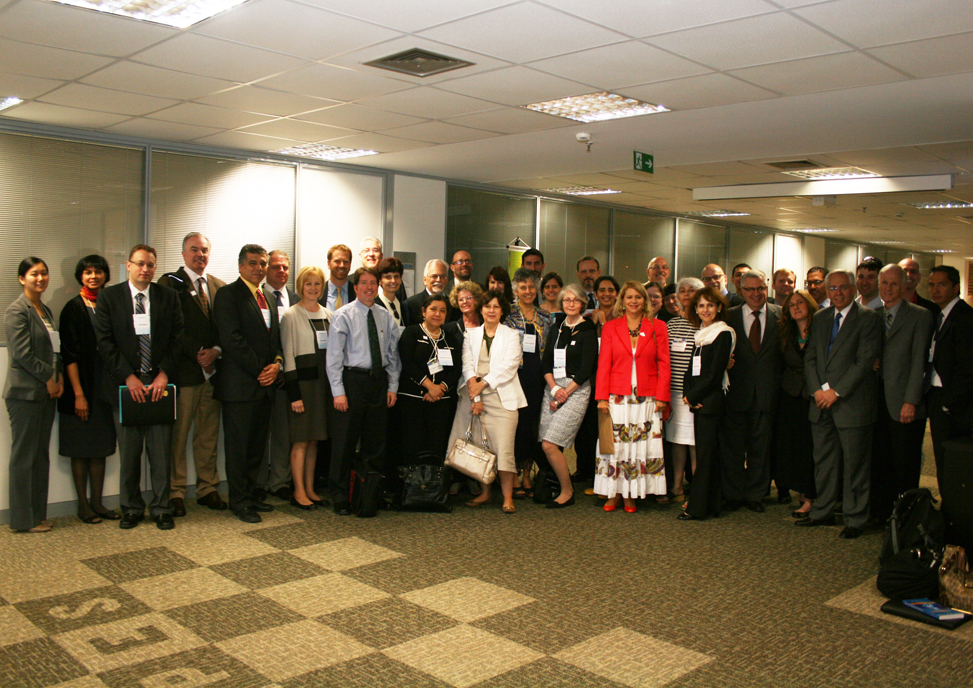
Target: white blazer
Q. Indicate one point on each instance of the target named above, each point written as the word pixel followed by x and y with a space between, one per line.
pixel 505 356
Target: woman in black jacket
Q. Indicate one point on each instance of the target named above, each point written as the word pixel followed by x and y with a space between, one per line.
pixel 703 389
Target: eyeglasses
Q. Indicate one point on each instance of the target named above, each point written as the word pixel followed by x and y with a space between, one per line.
pixel 371 251
pixel 840 287
pixel 143 264
pixel 759 290
pixel 465 299
pixel 463 261
pixel 813 283
pixel 571 301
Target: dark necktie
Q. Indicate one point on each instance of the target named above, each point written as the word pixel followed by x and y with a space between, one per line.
pixel 591 301
pixel 755 332
pixel 395 311
pixel 203 301
pixel 834 331
pixel 145 340
pixel 280 298
pixel 930 366
pixel 888 322
pixel 262 301
pixel 373 345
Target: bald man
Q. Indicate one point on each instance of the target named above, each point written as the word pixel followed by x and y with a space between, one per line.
pixel 913 276
pixel 658 271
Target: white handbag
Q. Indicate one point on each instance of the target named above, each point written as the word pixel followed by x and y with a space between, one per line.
pixel 472 461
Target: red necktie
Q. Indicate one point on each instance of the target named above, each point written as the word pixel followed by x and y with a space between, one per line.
pixel 755 333
pixel 261 301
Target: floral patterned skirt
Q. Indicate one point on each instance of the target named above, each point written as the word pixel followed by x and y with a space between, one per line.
pixel 637 468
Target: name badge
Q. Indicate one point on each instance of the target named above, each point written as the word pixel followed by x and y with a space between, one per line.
pixel 435 367
pixel 697 365
pixel 322 336
pixel 530 343
pixel 55 341
pixel 679 346
pixel 560 358
pixel 445 357
pixel 142 323
pixel 266 313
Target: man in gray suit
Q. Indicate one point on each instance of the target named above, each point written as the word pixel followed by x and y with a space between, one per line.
pixel 901 424
pixel 751 400
pixel 839 364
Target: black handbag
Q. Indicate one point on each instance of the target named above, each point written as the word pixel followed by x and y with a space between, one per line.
pixel 425 487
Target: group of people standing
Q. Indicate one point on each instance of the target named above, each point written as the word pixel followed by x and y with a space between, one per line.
pixel 656 385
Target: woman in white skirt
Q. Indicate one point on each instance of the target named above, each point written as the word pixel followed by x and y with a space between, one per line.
pixel 679 430
pixel 568 366
pixel 633 387
pixel 491 358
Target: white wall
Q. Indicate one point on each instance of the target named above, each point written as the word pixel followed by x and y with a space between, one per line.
pixel 418 221
pixel 789 253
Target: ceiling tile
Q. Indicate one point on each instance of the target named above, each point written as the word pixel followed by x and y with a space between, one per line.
pixel 591 179
pixel 752 41
pixel 44 62
pixel 636 18
pixel 412 16
pixel 72 28
pixel 620 64
pixel 522 32
pixel 959 153
pixel 932 57
pixel 298 131
pixel 334 83
pixel 708 90
pixel 293 28
pixel 867 23
pixel 440 132
pixel 25 87
pixel 662 175
pixel 216 58
pixel 157 129
pixel 378 142
pixel 716 169
pixel 884 156
pixel 263 100
pixel 154 81
pixel 511 121
pixel 516 86
pixel 63 116
pixel 239 139
pixel 825 73
pixel 358 117
pixel 427 102
pixel 208 116
pixel 106 100
pixel 534 183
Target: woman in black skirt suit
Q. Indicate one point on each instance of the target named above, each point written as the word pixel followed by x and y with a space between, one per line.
pixel 703 389
pixel 85 427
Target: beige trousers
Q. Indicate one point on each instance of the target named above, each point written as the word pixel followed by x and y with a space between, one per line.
pixel 196 406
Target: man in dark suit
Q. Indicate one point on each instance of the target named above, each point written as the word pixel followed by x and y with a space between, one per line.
pixel 751 400
pixel 139 326
pixel 950 376
pixel 249 330
pixel 275 469
pixel 913 277
pixel 434 279
pixel 737 298
pixel 901 423
pixel 196 361
pixel 839 363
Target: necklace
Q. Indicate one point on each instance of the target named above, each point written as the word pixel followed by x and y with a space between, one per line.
pixel 435 337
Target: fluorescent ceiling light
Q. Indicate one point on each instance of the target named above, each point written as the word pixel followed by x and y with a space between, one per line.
pixel 832 173
pixel 941 205
pixel 832 187
pixel 809 229
pixel 177 13
pixel 320 151
pixel 716 213
pixel 581 191
pixel 942 250
pixel 10 102
pixel 596 107
pixel 887 243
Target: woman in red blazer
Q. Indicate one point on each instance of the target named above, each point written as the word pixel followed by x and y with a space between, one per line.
pixel 633 387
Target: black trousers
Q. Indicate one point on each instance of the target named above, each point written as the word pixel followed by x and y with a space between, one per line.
pixel 246 425
pixel 944 426
pixel 425 426
pixel 707 494
pixel 745 439
pixel 586 441
pixel 896 460
pixel 366 420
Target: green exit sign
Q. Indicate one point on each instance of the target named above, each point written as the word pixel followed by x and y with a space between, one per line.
pixel 644 162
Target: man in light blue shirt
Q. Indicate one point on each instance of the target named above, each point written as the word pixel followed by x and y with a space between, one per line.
pixel 363 369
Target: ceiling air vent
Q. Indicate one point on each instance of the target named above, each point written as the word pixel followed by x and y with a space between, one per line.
pixel 419 63
pixel 794 164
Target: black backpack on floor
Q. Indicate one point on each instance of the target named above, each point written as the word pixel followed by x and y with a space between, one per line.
pixel 366 490
pixel 913 548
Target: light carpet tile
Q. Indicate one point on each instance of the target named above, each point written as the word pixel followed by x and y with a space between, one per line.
pixel 16 628
pixel 633 659
pixel 287 651
pixel 24 578
pixel 218 548
pixel 462 656
pixel 182 588
pixel 866 599
pixel 322 595
pixel 344 554
pixel 467 599
pixel 83 682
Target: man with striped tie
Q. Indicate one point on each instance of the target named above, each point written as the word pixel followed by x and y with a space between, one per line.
pixel 138 325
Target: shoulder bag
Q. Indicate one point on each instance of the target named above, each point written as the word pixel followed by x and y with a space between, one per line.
pixel 472 461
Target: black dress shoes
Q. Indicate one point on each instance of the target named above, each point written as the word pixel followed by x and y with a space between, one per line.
pixel 556 505
pixel 212 501
pixel 178 507
pixel 303 507
pixel 342 508
pixel 262 507
pixel 732 505
pixel 687 517
pixel 813 522
pixel 130 520
pixel 164 522
pixel 850 533
pixel 248 516
pixel 756 507
pixel 783 497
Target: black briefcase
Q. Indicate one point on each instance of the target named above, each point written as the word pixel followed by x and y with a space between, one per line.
pixel 956 490
pixel 161 412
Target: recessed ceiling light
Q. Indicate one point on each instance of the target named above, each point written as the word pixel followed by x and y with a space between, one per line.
pixel 941 205
pixel 596 107
pixel 832 173
pixel 887 243
pixel 10 102
pixel 177 13
pixel 810 229
pixel 581 191
pixel 942 250
pixel 716 213
pixel 320 151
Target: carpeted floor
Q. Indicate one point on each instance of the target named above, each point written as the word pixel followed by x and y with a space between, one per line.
pixel 574 597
